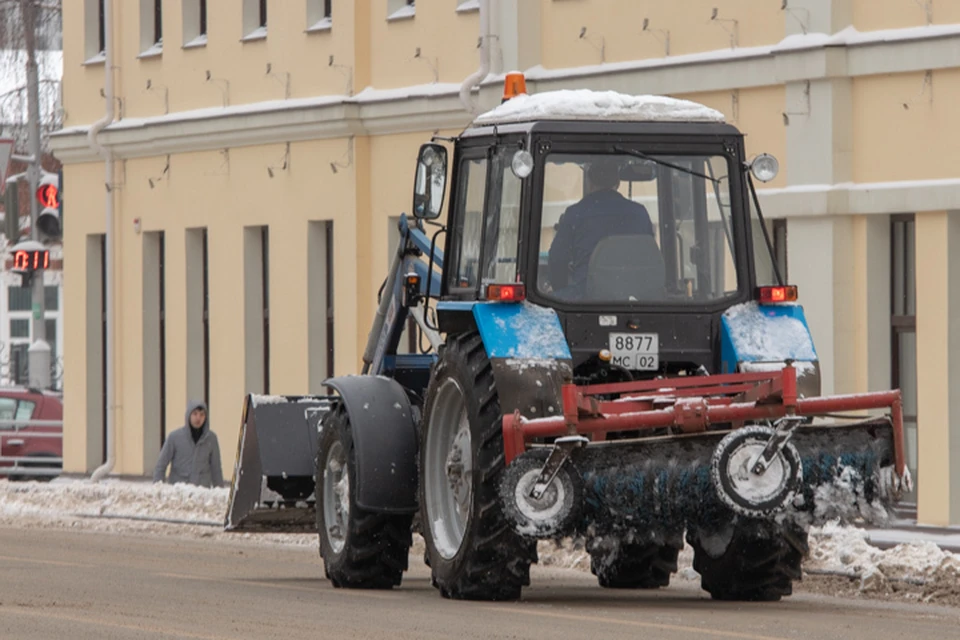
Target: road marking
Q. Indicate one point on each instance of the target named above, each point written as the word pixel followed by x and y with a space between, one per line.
pixel 46 614
pixel 636 623
pixel 59 563
pixel 273 585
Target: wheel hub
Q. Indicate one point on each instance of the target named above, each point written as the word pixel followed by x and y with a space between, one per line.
pixel 751 486
pixel 544 509
pixel 447 460
pixel 336 497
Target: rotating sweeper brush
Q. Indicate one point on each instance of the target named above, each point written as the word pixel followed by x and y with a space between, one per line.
pixel 777 468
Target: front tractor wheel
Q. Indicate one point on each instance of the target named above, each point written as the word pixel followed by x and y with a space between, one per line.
pixel 360 549
pixel 471 549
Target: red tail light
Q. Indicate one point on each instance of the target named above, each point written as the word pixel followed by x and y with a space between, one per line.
pixel 773 295
pixel 506 292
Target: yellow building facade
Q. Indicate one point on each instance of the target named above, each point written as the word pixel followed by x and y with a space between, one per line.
pixel 262 150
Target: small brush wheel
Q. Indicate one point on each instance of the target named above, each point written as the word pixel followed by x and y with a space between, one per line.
pixel 555 511
pixel 747 493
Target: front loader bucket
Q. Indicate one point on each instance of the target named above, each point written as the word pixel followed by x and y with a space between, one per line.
pixel 273 477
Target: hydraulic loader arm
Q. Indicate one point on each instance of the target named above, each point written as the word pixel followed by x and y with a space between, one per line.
pixel 393 309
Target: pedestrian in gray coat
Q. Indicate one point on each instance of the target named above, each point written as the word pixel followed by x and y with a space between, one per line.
pixel 192 452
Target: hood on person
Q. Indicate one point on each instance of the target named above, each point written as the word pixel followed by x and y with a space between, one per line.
pixel 196 421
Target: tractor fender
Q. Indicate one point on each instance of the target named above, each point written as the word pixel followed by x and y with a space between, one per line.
pixel 384 432
pixel 527 349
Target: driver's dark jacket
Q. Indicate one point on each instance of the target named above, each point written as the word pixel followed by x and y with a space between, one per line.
pixel 583 225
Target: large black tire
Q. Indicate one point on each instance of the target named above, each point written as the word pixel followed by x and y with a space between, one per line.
pixel 491 561
pixel 636 565
pixel 371 550
pixel 760 563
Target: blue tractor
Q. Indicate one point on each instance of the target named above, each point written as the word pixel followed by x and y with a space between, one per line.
pixel 608 353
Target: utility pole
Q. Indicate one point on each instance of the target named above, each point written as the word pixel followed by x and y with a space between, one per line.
pixel 38 354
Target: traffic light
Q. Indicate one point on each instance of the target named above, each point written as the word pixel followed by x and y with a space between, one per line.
pixel 29 257
pixel 48 195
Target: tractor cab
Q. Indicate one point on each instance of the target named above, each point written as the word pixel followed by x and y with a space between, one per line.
pixel 629 216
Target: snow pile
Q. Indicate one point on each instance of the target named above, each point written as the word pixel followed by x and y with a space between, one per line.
pixel 118 506
pixel 114 498
pixel 575 104
pixel 845 551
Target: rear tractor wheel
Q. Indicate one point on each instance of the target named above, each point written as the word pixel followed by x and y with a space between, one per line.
pixel 360 549
pixel 634 565
pixel 760 561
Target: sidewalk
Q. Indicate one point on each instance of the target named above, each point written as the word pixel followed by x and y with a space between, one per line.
pixel 905 529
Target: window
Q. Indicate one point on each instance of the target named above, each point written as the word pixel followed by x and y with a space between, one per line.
pixel 194 23
pixel 472 194
pixel 18 363
pixel 8 409
pixel 154 347
pixel 615 228
pixel 51 297
pixel 206 319
pixel 94 30
pixel 20 328
pixel 502 224
pixel 254 19
pixel 256 307
pixel 101 24
pixel 319 15
pixel 25 409
pixel 151 27
pixel 320 302
pixel 19 299
pixel 198 315
pixel 265 280
pixel 398 9
pixel 903 325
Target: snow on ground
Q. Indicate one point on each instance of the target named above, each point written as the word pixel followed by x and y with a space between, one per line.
pixel 187 511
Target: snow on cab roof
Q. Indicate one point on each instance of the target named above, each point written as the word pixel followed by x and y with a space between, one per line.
pixel 584 104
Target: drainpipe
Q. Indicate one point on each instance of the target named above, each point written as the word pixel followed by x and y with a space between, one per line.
pixel 477 76
pixel 107 154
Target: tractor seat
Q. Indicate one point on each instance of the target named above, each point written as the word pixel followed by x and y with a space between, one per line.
pixel 625 268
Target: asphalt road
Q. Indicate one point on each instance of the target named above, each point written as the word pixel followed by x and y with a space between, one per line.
pixel 57 584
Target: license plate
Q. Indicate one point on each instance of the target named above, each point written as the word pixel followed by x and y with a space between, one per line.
pixel 636 351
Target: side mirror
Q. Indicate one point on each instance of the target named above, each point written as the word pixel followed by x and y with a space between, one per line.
pixel 430 182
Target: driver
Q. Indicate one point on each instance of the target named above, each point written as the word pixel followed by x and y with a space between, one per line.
pixel 603 211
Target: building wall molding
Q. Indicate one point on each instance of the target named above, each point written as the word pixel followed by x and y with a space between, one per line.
pixel 437 106
pixel 850 198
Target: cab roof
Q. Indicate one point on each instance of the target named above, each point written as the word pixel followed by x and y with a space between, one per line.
pixel 602 106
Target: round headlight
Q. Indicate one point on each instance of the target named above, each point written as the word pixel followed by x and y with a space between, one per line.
pixel 765 167
pixel 522 164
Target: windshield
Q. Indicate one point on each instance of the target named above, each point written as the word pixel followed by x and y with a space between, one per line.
pixel 622 228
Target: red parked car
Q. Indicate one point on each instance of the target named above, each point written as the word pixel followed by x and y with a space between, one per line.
pixel 25 441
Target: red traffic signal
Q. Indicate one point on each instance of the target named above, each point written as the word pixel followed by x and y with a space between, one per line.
pixel 48 195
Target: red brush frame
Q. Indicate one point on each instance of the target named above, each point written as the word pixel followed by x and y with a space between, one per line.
pixel 691 404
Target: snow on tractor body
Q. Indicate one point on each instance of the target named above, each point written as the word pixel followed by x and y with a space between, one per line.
pixel 663 388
